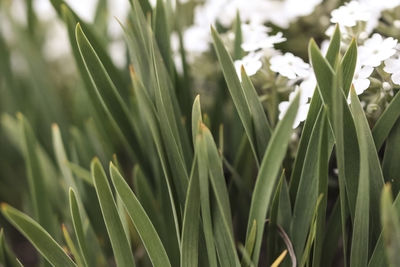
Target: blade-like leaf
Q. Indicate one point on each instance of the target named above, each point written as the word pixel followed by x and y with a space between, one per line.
pixel 307 193
pixel 386 121
pixel 360 240
pixel 191 222
pixel 78 227
pixel 7 257
pixel 390 164
pixel 38 236
pixel 267 175
pixel 374 174
pixel 315 107
pixel 236 91
pixel 119 242
pixel 391 228
pixel 142 223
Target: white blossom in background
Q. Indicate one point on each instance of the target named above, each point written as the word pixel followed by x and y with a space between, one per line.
pixel 350 14
pixel 392 66
pixel 255 37
pixel 376 49
pixel 308 84
pixel 302 111
pixel 85 9
pixel 197 39
pixel 251 63
pixel 360 79
pixel 289 65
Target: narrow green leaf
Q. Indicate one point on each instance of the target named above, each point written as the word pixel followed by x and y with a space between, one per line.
pixel 373 166
pixel 341 122
pixel 378 257
pixel 143 225
pixel 119 242
pixel 323 176
pixel 361 226
pixel 162 34
pixel 202 160
pixel 262 129
pixel 191 221
pixel 78 227
pixel 111 100
pixel 237 46
pixel 348 64
pixel 236 90
pixel 386 121
pixel 80 172
pixel 250 242
pixel 391 228
pixel 7 257
pixel 267 175
pixel 37 185
pixel 315 106
pixel 307 193
pixel 222 218
pixel 72 247
pixel 390 164
pixel 38 236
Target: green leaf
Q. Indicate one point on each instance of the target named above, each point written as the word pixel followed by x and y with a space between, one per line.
pixel 323 176
pixel 390 164
pixel 222 218
pixel 151 117
pixel 76 255
pixel 112 102
pixel 374 174
pixel 341 121
pixel 315 107
pixel 191 221
pixel 250 242
pixel 237 46
pixel 162 35
pixel 262 129
pixel 37 185
pixel 360 239
pixel 80 172
pixel 391 228
pixel 348 64
pixel 119 242
pixel 78 227
pixel 386 121
pixel 267 175
pixel 236 91
pixel 378 257
pixel 307 193
pixel 143 225
pixel 202 161
pixel 38 236
pixel 7 257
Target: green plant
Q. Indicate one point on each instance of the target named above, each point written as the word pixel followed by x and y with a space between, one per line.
pixel 237 201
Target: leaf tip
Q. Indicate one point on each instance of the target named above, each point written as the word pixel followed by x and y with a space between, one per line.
pixel 3 206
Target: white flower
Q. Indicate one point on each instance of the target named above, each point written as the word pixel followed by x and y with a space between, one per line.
pixel 251 63
pixel 376 49
pixel 302 111
pixel 350 13
pixel 255 36
pixel 308 85
pixel 392 66
pixel 381 4
pixel 289 66
pixel 360 79
pixel 197 39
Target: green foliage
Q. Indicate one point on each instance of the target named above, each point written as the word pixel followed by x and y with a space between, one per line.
pixel 174 194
